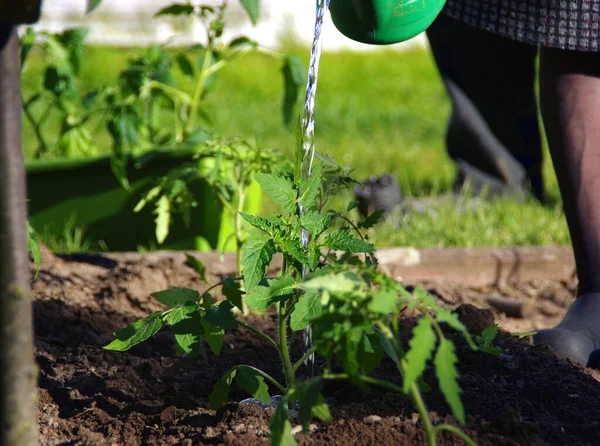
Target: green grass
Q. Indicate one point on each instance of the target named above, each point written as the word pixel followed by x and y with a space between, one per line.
pixel 381 112
pixel 460 222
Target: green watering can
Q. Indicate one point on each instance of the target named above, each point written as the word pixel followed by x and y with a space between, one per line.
pixel 383 22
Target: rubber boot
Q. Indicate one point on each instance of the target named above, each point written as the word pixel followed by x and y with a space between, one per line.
pixel 577 337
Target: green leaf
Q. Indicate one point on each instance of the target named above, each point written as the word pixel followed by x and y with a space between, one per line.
pixel 445 368
pixel 186 325
pixel 185 65
pixel 213 336
pixel 176 296
pixel 91 5
pixel 176 9
pixel 163 218
pixel 231 290
pixel 293 248
pixel 197 266
pixel 294 77
pixel 307 308
pixel 252 7
pixel 309 399
pixel 310 188
pixel 279 188
pixel 221 316
pixel 342 241
pixel 343 283
pixel 281 428
pixel 259 222
pixel 372 219
pixel 353 204
pixel 150 195
pixel 136 333
pixel 256 257
pixel 278 289
pixel 383 302
pixel 490 333
pixel 314 256
pixel 371 353
pixel 421 348
pixel 253 382
pixel 314 222
pixel 321 410
pixel 220 391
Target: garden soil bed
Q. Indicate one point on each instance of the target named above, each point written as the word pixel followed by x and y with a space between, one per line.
pixel 150 396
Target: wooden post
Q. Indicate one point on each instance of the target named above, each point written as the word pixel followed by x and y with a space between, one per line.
pixel 18 371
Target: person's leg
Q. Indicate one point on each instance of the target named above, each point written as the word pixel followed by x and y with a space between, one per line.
pixel 493 131
pixel 570 104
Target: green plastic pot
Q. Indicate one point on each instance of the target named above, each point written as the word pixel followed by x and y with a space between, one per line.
pixel 84 193
pixel 383 22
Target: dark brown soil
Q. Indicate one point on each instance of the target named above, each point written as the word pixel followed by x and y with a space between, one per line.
pixel 149 396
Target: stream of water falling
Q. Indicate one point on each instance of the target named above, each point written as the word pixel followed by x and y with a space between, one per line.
pixel 308 143
pixel 308 148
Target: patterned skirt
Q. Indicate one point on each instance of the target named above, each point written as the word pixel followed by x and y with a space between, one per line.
pixel 564 24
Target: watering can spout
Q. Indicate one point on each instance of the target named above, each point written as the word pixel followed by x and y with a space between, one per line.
pixel 383 22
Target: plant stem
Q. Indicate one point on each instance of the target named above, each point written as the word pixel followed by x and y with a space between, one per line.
pixel 298 363
pixel 199 89
pixel 283 347
pixel 238 228
pixel 455 431
pixel 259 333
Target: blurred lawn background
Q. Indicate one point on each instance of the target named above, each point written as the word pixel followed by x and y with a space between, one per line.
pixel 378 112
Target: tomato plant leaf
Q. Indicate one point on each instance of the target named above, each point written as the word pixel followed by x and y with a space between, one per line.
pixel 383 302
pixel 252 7
pixel 137 332
pixel 445 368
pixel 307 308
pixel 309 188
pixel 221 316
pixel 314 256
pixel 163 218
pixel 259 222
pixel 292 247
pixel 421 348
pixel 312 401
pixel 220 391
pixel 279 188
pixel 371 353
pixel 176 296
pixel 314 222
pixel 281 428
pixel 253 382
pixel 256 256
pixel 197 266
pixel 91 5
pixel 278 289
pixel 176 9
pixel 231 290
pixel 185 65
pixel 342 283
pixel 342 241
pixel 294 77
pixel 213 336
pixel 372 219
pixel 150 195
pixel 186 326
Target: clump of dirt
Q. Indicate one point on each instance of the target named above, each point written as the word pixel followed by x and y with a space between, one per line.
pixel 151 396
